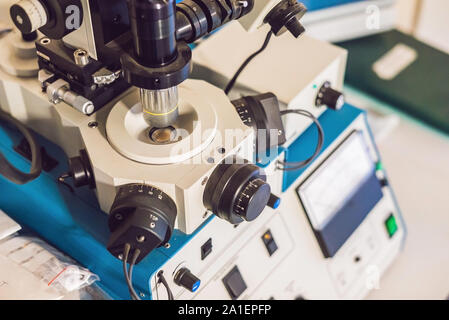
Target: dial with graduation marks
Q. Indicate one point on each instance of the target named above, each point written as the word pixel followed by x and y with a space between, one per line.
pixel 54 18
pixel 245 114
pixel 252 199
pixel 142 216
pixel 29 15
pixel 237 191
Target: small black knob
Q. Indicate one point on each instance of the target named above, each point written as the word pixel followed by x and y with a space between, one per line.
pixel 81 170
pixel 286 15
pixel 187 279
pixel 274 201
pixel 329 97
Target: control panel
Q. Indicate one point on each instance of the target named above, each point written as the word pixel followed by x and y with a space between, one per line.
pixel 231 267
pixel 336 231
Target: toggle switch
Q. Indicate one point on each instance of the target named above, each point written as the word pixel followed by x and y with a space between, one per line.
pixel 206 249
pixel 269 242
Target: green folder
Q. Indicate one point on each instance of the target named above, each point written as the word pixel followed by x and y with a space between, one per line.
pixel 419 88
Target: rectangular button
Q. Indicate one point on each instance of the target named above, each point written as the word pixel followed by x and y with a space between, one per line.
pixel 234 283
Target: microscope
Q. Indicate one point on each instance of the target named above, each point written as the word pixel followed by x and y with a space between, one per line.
pixel 187 184
pixel 156 147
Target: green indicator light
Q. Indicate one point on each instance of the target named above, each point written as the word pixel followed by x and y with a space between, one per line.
pixel 315 86
pixel 391 225
pixel 379 166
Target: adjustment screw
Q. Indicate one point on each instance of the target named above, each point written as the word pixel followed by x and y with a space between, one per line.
pixel 141 239
pixel 81 57
pixel 93 124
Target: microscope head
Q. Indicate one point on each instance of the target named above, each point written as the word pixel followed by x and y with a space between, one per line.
pixel 160 157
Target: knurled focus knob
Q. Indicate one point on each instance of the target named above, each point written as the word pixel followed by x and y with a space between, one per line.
pixel 237 191
pixel 29 15
pixel 329 97
pixel 252 199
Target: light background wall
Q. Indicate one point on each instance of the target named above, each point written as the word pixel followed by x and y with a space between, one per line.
pixel 4 12
pixel 428 20
pixel 407 14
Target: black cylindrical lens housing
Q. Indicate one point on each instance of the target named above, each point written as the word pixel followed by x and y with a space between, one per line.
pixel 153 26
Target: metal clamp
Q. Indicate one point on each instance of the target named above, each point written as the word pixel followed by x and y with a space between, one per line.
pixel 105 76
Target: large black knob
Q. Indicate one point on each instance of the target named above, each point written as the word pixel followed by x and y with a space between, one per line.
pixel 187 279
pixel 329 97
pixel 142 216
pixel 236 191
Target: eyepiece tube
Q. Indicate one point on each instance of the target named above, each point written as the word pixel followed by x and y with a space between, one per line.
pixel 197 18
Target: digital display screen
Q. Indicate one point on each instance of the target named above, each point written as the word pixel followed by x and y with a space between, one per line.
pixel 330 187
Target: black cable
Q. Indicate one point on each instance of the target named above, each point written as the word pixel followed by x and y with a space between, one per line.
pixel 126 250
pixel 293 166
pixel 130 273
pixel 7 169
pixel 162 280
pixel 247 61
pixel 4 31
